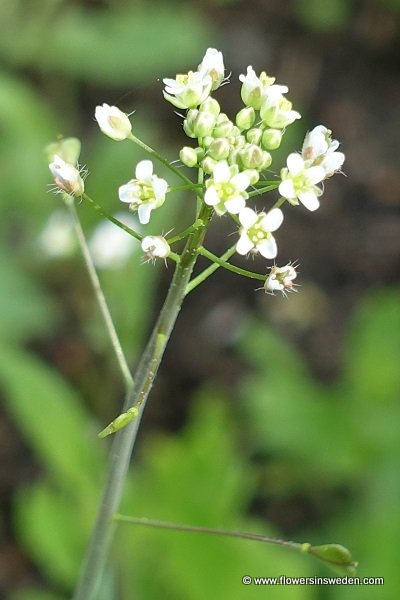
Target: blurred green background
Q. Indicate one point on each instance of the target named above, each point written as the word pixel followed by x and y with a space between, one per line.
pixel 269 415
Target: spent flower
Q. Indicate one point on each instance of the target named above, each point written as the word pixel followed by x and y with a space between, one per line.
pixel 145 193
pixel 280 279
pixel 67 177
pixel 155 246
pixel 256 232
pixel 319 149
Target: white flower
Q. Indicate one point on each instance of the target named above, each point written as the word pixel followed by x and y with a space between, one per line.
pixel 110 246
pixel 188 91
pixel 213 65
pixel 299 182
pixel 226 189
pixel 67 177
pixel 320 149
pixel 57 238
pixel 276 110
pixel 113 122
pixel 280 279
pixel 256 232
pixel 155 246
pixel 145 193
pixel 254 88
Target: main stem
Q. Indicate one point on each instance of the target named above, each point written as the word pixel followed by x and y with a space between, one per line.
pixel 124 440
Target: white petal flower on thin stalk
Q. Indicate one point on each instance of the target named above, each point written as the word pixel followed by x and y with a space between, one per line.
pixel 213 65
pixel 226 189
pixel 256 232
pixel 188 91
pixel 155 246
pixel 319 149
pixel 254 88
pixel 280 279
pixel 299 182
pixel 67 177
pixel 145 193
pixel 113 122
pixel 276 110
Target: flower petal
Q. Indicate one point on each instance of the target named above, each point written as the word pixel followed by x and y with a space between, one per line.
pixel 211 197
pixel 235 205
pixel 272 220
pixel 268 248
pixel 295 163
pixel 309 200
pixel 244 244
pixel 286 189
pixel 221 172
pixel 144 169
pixel 144 212
pixel 247 217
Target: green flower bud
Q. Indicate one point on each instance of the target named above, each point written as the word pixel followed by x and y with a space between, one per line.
pixel 189 123
pixel 208 165
pixel 252 157
pixel 223 130
pixel 200 153
pixel 219 149
pixel 204 124
pixel 207 141
pixel 254 135
pixel 188 156
pixel 337 556
pixel 271 139
pixel 210 105
pixel 245 118
pixel 238 141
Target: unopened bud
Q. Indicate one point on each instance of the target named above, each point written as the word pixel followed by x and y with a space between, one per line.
pixel 208 165
pixel 219 149
pixel 113 122
pixel 254 135
pixel 245 118
pixel 253 157
pixel 337 556
pixel 188 156
pixel 271 139
pixel 67 177
pixel 155 246
pixel 210 105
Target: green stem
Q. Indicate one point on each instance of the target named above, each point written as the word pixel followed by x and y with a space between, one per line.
pixel 118 518
pixel 209 270
pixel 160 158
pixel 124 441
pixel 172 255
pixel 222 263
pixel 267 188
pixel 180 236
pixel 94 279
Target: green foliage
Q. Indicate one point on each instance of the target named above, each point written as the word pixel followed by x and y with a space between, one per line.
pixel 317 437
pixel 325 16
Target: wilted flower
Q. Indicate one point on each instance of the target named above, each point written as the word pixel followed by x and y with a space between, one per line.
pixel 113 122
pixel 67 177
pixel 299 182
pixel 145 193
pixel 226 189
pixel 319 149
pixel 188 91
pixel 256 232
pixel 213 65
pixel 280 279
pixel 155 246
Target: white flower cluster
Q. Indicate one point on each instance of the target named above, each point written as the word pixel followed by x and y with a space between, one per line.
pixel 233 154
